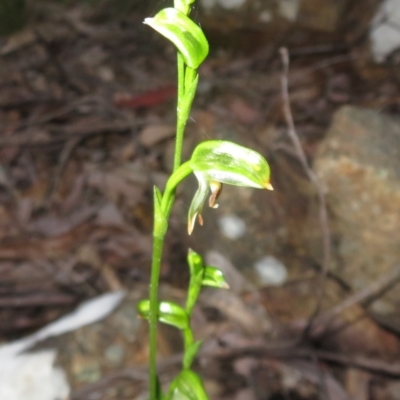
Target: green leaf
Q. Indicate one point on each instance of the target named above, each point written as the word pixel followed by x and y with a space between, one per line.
pixel 157 196
pixel 187 386
pixel 191 353
pixel 173 314
pixel 160 222
pixel 215 278
pixel 184 110
pixel 183 33
pixel 143 308
pixel 168 312
pixel 159 393
pixel 196 268
pixel 196 264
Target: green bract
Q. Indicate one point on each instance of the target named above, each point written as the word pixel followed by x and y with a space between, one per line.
pixel 191 353
pixel 215 162
pixel 160 221
pixel 187 386
pixel 201 275
pixel 214 277
pixel 168 313
pixel 196 267
pixel 183 33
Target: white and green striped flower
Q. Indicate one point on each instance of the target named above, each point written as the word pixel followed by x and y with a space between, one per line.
pixel 217 162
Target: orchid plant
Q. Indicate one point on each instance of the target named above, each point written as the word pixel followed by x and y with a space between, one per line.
pixel 214 163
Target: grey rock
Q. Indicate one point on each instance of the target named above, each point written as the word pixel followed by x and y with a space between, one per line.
pixel 359 164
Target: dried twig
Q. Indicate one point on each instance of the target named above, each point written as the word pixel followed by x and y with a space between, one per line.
pixel 63 111
pixel 65 133
pixel 373 365
pixel 66 152
pixel 37 299
pixel 53 59
pixel 323 214
pixel 386 281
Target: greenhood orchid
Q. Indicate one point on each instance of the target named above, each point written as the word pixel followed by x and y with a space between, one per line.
pixel 216 162
pixel 188 37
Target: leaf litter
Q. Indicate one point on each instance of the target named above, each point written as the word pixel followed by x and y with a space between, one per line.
pixel 86 115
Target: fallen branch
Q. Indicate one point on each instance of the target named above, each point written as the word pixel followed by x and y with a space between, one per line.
pixel 287 351
pixel 63 134
pixel 386 281
pixel 323 214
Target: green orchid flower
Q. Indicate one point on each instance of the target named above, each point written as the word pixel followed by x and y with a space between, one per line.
pixel 183 33
pixel 217 162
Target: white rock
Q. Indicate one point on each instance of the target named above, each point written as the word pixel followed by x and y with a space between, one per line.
pixel 289 9
pixel 232 226
pixel 33 377
pixel 271 271
pixel 265 16
pixel 384 32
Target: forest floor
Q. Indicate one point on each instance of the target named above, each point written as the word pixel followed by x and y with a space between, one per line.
pixel 87 123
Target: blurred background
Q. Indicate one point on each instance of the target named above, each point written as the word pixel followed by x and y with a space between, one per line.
pixel 87 114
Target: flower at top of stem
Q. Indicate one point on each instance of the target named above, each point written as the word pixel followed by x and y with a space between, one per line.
pixel 188 37
pixel 216 162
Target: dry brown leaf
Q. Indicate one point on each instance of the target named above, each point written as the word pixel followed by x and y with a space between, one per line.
pixel 74 195
pixel 55 226
pixel 136 173
pixel 357 383
pixel 245 394
pixel 126 245
pixel 111 278
pixel 87 254
pixel 114 186
pixel 237 282
pixel 153 134
pixel 244 112
pixel 245 365
pixel 235 310
pixel 24 210
pixel 109 215
pixel 205 122
pixel 320 376
pixel 127 152
pixel 18 40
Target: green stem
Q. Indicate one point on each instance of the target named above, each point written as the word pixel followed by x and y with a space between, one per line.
pixel 180 123
pixel 180 172
pixel 169 194
pixel 158 242
pixel 188 338
pixel 190 75
pixel 182 84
